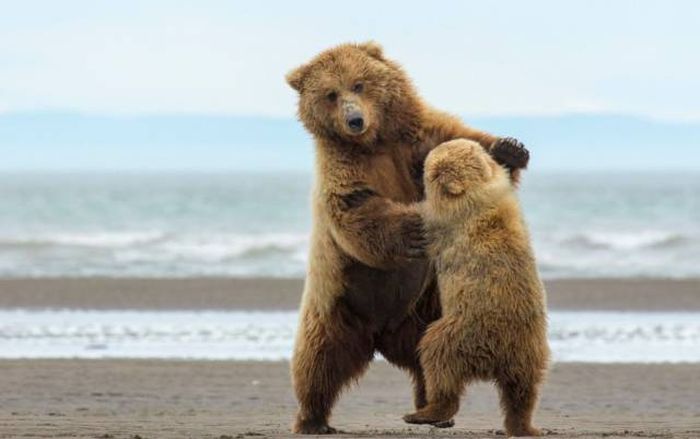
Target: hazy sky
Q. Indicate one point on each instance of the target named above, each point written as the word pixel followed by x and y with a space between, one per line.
pixel 230 57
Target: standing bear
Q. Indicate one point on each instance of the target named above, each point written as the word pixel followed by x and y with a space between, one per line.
pixel 493 324
pixel 369 286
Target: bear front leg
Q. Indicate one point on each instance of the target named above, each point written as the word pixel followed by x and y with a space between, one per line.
pixel 375 230
pixel 441 127
pixel 328 355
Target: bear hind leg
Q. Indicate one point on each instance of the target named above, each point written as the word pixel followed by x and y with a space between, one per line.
pixel 446 375
pixel 399 343
pixel 519 395
pixel 400 347
pixel 324 363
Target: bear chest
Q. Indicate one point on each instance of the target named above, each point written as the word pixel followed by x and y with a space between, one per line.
pixel 392 175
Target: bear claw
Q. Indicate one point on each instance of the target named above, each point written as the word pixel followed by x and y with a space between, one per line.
pixel 444 424
pixel 415 418
pixel 308 428
pixel 510 153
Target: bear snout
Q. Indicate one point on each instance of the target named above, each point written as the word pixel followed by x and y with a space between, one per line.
pixel 355 121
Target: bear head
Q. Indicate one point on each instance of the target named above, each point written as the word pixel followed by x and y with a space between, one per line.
pixel 352 95
pixel 460 172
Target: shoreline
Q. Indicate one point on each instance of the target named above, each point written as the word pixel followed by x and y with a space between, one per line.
pixel 268 294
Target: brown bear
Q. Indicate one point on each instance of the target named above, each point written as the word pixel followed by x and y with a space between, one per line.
pixel 493 324
pixel 368 286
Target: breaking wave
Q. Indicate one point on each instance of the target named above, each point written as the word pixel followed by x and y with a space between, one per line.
pixel 628 240
pixel 153 253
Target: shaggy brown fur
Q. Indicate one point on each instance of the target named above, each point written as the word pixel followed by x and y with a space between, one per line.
pixel 494 320
pixel 368 286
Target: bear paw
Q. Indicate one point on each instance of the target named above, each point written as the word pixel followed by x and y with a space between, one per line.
pixel 306 427
pixel 418 418
pixel 414 239
pixel 510 152
pixel 524 431
pixel 444 424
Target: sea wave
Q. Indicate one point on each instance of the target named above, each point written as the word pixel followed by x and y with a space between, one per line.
pixel 99 239
pixel 623 240
pixel 618 253
pixel 153 252
pixel 204 244
pixel 255 225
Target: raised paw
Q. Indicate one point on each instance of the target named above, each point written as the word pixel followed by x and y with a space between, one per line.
pixel 510 152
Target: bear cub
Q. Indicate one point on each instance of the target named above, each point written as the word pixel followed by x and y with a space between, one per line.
pixel 494 319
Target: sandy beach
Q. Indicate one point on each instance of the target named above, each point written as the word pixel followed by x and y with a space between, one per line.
pixel 160 399
pixel 227 399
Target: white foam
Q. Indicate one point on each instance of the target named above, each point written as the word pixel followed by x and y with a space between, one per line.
pixel 100 239
pixel 627 240
pixel 154 253
pixel 600 337
pixel 164 253
pixel 220 247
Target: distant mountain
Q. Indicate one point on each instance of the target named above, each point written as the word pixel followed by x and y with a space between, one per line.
pixel 63 141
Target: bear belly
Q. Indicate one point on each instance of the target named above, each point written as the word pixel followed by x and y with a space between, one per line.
pixel 381 298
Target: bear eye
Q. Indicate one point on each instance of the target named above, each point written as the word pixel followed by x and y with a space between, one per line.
pixel 358 87
pixel 332 96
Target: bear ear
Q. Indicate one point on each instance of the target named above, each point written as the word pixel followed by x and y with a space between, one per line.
pixel 450 183
pixel 373 49
pixel 296 77
pixel 453 187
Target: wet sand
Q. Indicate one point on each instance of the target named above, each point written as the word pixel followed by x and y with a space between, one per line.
pixel 269 294
pixel 169 399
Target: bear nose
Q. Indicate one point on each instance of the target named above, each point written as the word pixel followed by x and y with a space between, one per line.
pixel 355 122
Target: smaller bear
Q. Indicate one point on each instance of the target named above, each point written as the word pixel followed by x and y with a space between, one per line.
pixel 494 318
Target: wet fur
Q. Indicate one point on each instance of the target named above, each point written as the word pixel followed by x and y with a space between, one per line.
pixel 493 325
pixel 369 286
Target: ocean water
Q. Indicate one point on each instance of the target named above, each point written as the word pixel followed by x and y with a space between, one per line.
pixel 246 224
pixel 599 337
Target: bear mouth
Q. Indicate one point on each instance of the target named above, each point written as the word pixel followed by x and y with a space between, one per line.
pixel 357 133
